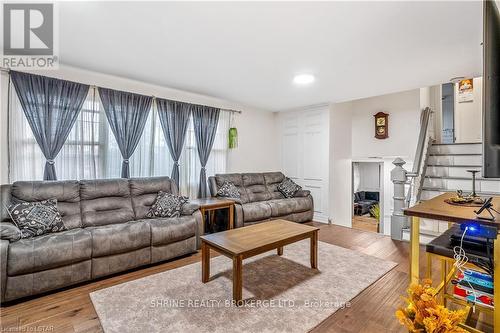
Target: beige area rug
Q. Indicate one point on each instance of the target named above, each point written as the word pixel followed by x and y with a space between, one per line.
pixel 282 294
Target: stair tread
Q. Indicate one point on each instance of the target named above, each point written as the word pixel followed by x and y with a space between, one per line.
pixel 437 189
pixel 462 178
pixel 455 154
pixel 457 143
pixel 454 166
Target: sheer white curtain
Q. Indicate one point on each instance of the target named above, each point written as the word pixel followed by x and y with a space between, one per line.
pixel 80 156
pixel 190 166
pixel 91 150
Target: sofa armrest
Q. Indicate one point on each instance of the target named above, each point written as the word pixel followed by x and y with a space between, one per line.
pixel 302 193
pixel 200 229
pixel 9 232
pixel 189 208
pixel 4 250
pixel 238 215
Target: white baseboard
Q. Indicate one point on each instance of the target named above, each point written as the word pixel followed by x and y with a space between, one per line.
pixel 318 217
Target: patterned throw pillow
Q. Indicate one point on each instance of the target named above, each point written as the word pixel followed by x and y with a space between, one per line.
pixel 288 188
pixel 228 190
pixel 167 205
pixel 36 218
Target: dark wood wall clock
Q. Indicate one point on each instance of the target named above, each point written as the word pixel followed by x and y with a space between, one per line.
pixel 381 125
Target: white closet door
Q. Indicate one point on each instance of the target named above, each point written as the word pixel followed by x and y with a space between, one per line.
pixel 304 153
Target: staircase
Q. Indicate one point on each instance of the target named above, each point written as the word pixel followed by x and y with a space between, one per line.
pixel 446 171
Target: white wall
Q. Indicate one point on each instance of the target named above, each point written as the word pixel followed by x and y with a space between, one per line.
pixel 369 176
pixel 341 164
pixel 404 119
pixel 468 115
pixel 258 148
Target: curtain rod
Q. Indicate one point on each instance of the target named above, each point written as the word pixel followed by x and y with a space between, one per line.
pixel 7 70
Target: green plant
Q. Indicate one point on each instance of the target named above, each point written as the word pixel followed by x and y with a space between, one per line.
pixel 233 138
pixel 375 212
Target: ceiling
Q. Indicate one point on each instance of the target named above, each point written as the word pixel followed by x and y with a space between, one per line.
pixel 249 52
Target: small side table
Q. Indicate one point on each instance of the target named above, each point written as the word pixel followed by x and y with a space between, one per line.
pixel 212 204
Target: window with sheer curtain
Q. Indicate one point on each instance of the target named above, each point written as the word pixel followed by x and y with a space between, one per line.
pixel 91 150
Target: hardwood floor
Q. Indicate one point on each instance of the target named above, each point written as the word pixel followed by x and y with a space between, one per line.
pixel 366 223
pixel 71 310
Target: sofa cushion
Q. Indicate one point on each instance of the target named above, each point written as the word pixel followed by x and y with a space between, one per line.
pixel 273 179
pixel 228 190
pixel 170 230
pixel 49 251
pixel 37 218
pixel 255 187
pixel 145 190
pixel 237 180
pixel 120 238
pixel 105 201
pixel 288 188
pixel 256 211
pixel 67 194
pixel 167 205
pixel 9 231
pixel 280 207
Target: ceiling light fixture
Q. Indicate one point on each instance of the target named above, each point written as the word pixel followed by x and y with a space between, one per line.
pixel 303 79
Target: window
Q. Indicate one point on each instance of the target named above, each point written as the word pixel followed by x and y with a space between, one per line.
pixel 91 150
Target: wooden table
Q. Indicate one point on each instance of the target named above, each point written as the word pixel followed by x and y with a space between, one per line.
pixel 246 242
pixel 212 204
pixel 437 209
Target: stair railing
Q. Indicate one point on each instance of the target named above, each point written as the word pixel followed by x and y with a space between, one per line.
pixel 417 174
pixel 410 182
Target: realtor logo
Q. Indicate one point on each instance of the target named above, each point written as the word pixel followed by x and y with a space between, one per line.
pixel 28 35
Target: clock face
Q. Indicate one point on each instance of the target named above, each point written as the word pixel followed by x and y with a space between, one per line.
pixel 381 121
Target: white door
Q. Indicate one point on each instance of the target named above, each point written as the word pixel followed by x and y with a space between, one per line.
pixel 304 153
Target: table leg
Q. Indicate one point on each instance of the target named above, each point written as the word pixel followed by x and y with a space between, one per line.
pixel 205 262
pixel 211 217
pixel 414 249
pixel 231 216
pixel 237 279
pixel 496 284
pixel 429 265
pixel 444 273
pixel 314 249
pixel 203 222
pixel 280 250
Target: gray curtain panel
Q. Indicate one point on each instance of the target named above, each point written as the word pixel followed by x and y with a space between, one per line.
pixel 205 119
pixel 51 107
pixel 127 114
pixel 174 119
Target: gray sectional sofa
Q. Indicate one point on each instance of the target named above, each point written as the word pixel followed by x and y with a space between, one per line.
pixel 108 232
pixel 260 199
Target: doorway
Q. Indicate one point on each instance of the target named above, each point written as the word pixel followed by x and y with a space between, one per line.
pixel 366 213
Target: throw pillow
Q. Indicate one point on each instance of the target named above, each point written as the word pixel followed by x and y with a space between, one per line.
pixel 36 218
pixel 167 205
pixel 288 188
pixel 228 190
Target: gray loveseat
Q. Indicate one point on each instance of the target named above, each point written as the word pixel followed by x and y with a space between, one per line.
pixel 260 199
pixel 108 232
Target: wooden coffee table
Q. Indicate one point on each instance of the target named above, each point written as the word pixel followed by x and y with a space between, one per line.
pixel 246 242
